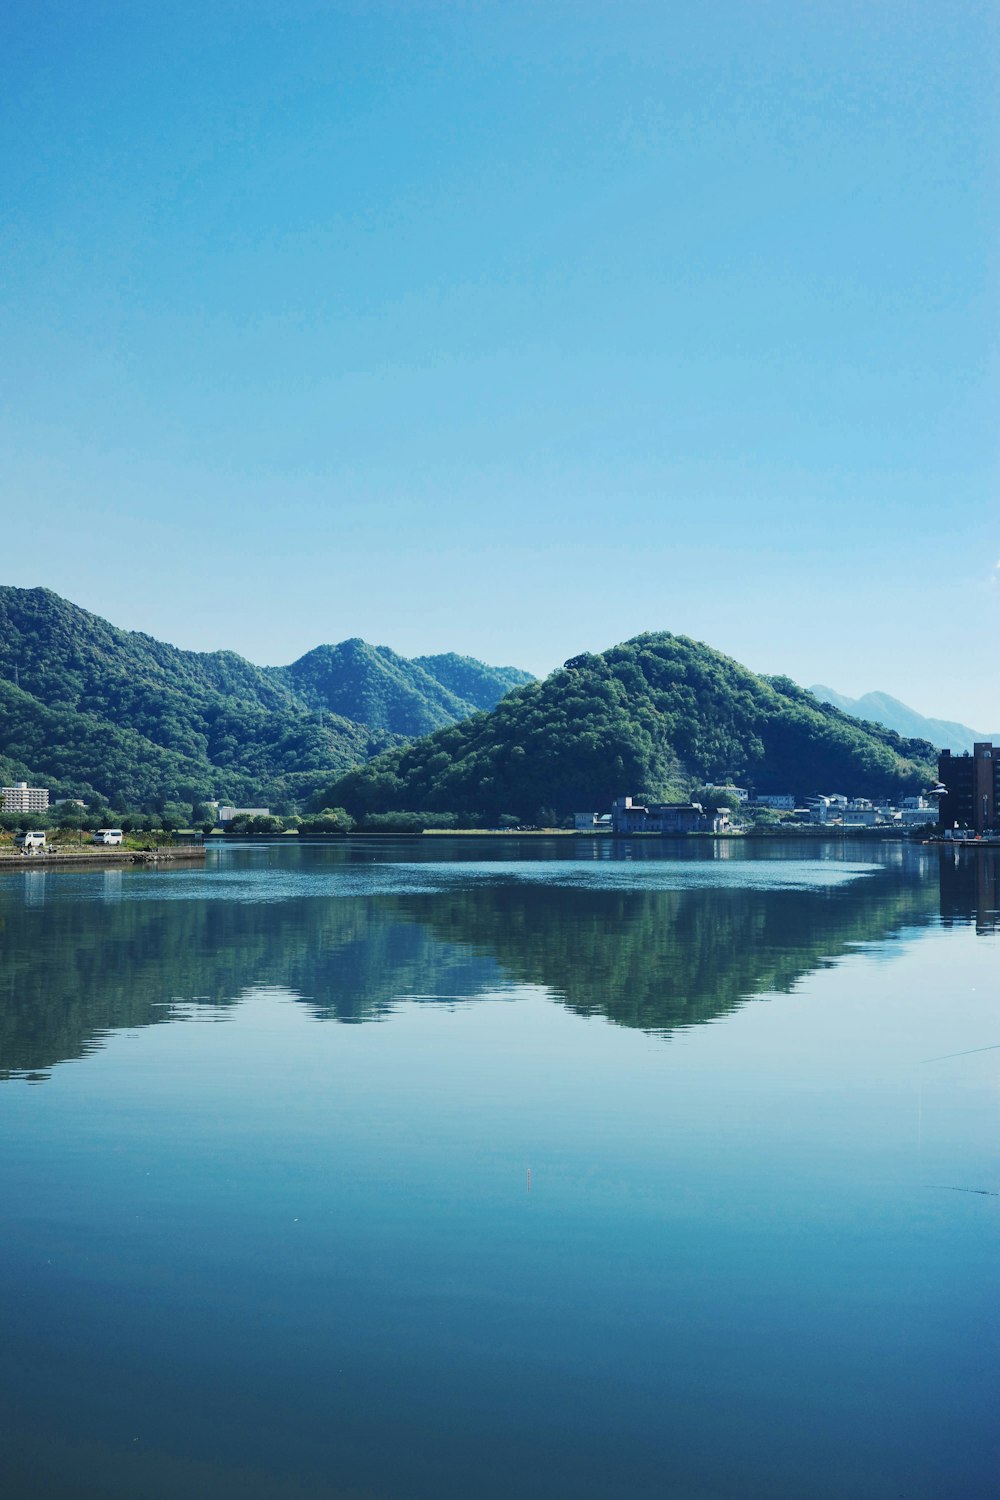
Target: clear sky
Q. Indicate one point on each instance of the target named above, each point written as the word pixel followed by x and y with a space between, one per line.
pixel 511 329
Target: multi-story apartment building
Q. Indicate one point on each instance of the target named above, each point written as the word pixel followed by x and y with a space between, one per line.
pixel 971 798
pixel 24 798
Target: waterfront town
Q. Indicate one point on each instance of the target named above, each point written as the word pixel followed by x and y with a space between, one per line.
pixel 833 811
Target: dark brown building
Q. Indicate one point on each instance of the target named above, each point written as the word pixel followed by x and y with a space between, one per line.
pixel 972 796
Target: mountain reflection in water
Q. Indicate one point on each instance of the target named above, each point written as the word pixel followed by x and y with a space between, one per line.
pixel 86 955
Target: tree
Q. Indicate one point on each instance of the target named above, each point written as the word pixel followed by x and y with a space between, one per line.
pixel 259 824
pixel 68 816
pixel 175 815
pixel 330 820
pixel 712 797
pixel 766 817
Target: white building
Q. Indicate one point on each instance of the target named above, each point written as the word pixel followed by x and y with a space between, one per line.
pixel 227 814
pixel 24 798
pixel 819 809
pixel 861 817
pixel 780 801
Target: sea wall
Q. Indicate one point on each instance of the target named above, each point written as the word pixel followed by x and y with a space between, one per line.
pixel 61 859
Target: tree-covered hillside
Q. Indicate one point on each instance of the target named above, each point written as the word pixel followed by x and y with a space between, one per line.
pixel 478 686
pixel 73 753
pixel 279 756
pixel 373 686
pixel 69 658
pixel 377 687
pixel 652 716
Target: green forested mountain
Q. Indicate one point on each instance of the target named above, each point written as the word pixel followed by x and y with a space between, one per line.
pixel 651 716
pixel 86 707
pixel 373 685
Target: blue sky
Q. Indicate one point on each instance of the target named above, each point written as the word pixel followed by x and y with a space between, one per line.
pixel 511 329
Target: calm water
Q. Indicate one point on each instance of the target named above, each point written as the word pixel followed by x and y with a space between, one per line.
pixel 659 1172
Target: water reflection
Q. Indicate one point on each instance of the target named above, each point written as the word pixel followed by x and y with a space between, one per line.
pixel 34 887
pixel 970 888
pixel 665 959
pixel 90 960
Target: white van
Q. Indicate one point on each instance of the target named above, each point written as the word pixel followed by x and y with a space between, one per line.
pixel 108 836
pixel 31 840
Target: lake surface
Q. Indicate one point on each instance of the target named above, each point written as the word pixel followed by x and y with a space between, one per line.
pixel 449 1168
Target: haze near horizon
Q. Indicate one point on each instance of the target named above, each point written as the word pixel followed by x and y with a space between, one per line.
pixel 511 331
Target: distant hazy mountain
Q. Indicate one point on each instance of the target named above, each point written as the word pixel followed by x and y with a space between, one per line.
pixel 879 708
pixel 87 708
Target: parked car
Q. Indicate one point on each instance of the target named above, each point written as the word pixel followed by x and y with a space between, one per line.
pixel 108 836
pixel 33 839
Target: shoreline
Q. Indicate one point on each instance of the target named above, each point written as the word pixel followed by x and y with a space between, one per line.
pixel 196 853
pixel 816 831
pixel 64 859
pixel 887 835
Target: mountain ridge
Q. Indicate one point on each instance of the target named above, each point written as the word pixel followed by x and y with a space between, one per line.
pixel 881 708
